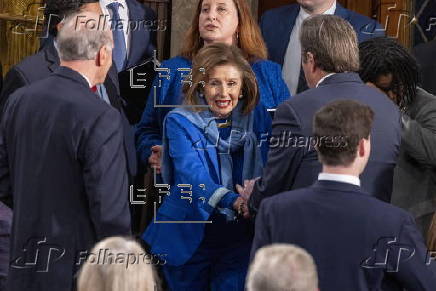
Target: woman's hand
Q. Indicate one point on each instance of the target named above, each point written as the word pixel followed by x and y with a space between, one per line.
pixel 155 158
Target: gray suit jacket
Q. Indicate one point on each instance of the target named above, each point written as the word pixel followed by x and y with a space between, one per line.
pixel 415 174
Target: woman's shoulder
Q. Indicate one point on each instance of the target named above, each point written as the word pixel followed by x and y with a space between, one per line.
pixel 176 62
pixel 265 65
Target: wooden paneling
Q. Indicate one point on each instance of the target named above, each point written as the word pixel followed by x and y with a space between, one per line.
pixel 396 18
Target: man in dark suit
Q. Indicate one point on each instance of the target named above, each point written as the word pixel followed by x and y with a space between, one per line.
pixel 281 26
pixel 425 55
pixel 357 241
pixel 62 161
pixel 46 61
pixel 330 58
pixel 134 27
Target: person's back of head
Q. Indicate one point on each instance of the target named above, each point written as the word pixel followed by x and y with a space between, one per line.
pixel 342 130
pixel 282 267
pixel 85 45
pixel 117 264
pixel 329 45
pixel 387 65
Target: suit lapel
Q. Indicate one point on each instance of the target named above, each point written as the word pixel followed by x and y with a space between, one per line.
pixel 342 12
pixel 52 56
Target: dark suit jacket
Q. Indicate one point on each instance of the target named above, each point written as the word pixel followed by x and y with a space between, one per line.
pixel 142 39
pixel 277 25
pixel 349 233
pixel 425 55
pixel 62 161
pixel 293 162
pixel 5 237
pixel 415 174
pixel 44 63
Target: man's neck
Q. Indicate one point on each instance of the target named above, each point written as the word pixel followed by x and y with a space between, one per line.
pixel 319 9
pixel 83 69
pixel 340 170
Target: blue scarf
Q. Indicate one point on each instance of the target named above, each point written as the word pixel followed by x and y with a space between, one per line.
pixel 242 136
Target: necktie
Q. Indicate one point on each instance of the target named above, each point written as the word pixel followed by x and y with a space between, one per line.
pixel 119 53
pixel 93 88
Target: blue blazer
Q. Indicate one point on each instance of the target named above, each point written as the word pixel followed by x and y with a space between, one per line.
pixel 195 162
pixel 292 160
pixel 272 91
pixel 277 24
pixel 350 234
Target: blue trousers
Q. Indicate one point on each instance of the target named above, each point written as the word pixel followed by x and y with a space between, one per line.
pixel 212 268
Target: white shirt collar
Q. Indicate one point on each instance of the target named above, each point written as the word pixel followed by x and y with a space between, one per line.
pixel 323 78
pixel 340 178
pixel 330 11
pixel 86 78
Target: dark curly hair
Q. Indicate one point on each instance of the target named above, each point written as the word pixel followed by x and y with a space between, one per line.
pixel 383 56
pixel 56 10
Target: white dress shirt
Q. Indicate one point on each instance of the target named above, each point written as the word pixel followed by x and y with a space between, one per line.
pixel 339 178
pixel 292 62
pixel 323 78
pixel 123 11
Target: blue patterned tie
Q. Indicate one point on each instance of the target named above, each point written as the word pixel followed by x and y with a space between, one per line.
pixel 119 53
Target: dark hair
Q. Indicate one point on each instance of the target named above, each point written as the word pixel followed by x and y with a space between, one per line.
pixel 56 10
pixel 332 41
pixel 250 38
pixel 219 54
pixel 383 56
pixel 347 121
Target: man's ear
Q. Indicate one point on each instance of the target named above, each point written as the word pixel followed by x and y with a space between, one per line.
pixel 361 150
pixel 103 56
pixel 59 26
pixel 310 60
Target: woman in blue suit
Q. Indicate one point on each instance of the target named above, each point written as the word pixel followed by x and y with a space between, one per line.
pixel 218 141
pixel 215 21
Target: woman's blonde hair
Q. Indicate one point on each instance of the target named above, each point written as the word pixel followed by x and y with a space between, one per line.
pixel 215 55
pixel 117 264
pixel 250 40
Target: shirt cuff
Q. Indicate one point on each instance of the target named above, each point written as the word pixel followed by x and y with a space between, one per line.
pixel 228 200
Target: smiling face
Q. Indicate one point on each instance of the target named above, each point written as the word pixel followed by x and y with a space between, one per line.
pixel 222 90
pixel 218 21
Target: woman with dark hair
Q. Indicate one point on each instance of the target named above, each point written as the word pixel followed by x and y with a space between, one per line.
pixel 388 66
pixel 214 21
pixel 218 141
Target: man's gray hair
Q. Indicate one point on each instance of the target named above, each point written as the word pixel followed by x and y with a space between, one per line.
pixel 332 41
pixel 82 36
pixel 282 267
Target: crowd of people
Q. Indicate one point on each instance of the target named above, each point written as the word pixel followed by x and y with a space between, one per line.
pixel 297 154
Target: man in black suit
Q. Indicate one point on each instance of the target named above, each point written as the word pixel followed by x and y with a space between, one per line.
pixel 330 60
pixel 357 241
pixel 425 55
pixel 46 61
pixel 62 161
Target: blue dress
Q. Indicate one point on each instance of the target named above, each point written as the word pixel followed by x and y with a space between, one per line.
pixel 218 250
pixel 272 92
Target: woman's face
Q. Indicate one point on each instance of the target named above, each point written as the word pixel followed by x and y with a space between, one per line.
pixel 223 89
pixel 218 21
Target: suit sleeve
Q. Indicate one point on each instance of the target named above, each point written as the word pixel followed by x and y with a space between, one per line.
pixel 14 80
pixel 419 137
pixel 105 176
pixel 416 271
pixel 262 235
pixel 5 184
pixel 283 158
